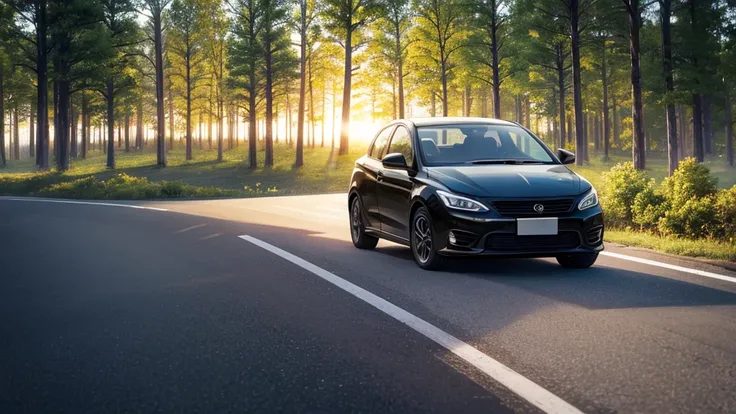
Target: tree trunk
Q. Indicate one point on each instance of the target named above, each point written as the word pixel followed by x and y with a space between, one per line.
pixel 189 110
pixel 220 126
pixel 84 125
pixel 707 126
pixel 139 126
pixel 16 133
pixel 126 132
pixel 443 77
pixel 42 106
pixel 3 160
pixel 302 85
pixel 199 135
pixel 517 107
pixel 698 147
pixel 494 65
pixel 269 105
pixel 31 133
pixel 75 124
pixel 345 121
pixel 580 139
pixel 171 119
pixel 110 124
pixel 209 126
pixel 61 135
pixel 729 127
pixel 311 103
pixel 160 116
pixel 681 132
pixel 561 86
pixel 672 148
pixel 324 103
pixel 638 148
pixel 120 136
pixel 334 107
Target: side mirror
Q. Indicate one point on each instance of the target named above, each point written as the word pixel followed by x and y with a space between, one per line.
pixel 565 156
pixel 395 160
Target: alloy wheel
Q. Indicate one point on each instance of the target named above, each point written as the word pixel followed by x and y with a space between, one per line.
pixel 422 238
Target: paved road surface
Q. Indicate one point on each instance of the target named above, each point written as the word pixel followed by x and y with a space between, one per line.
pixel 112 309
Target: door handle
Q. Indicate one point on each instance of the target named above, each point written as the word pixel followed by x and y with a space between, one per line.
pixel 379 175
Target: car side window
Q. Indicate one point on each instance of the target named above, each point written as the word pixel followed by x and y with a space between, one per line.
pixel 378 150
pixel 401 143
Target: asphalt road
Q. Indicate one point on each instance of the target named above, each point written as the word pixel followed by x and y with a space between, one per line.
pixel 112 309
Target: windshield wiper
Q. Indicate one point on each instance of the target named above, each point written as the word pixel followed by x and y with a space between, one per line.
pixel 506 161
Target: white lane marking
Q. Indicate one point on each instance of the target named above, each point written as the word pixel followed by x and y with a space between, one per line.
pixel 90 203
pixel 670 266
pixel 189 228
pixel 525 388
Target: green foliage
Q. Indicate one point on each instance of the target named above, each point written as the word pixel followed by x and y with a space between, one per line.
pixel 621 185
pixel 126 187
pixel 696 219
pixel 649 207
pixel 725 205
pixel 690 180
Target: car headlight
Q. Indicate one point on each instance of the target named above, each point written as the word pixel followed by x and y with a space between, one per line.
pixel 591 200
pixel 460 203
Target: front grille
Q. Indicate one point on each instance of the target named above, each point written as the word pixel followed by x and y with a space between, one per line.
pixel 594 235
pixel 513 242
pixel 525 208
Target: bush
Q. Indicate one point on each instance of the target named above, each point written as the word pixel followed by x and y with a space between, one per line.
pixel 620 188
pixel 725 205
pixel 696 219
pixel 649 207
pixel 690 180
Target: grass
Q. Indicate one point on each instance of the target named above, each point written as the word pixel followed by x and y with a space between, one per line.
pixel 323 172
pixel 710 249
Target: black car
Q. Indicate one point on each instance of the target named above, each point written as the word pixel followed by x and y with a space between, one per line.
pixel 473 186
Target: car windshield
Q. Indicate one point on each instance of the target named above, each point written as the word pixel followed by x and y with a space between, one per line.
pixel 480 144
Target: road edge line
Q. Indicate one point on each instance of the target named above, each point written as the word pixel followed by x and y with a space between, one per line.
pixel 669 266
pixel 89 203
pixel 515 382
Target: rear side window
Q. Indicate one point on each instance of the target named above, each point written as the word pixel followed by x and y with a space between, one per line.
pixel 401 143
pixel 378 149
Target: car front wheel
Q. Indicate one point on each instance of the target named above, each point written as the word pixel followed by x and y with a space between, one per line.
pixel 422 241
pixel 577 261
pixel 361 240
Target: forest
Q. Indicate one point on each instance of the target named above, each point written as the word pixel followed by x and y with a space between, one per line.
pixel 655 79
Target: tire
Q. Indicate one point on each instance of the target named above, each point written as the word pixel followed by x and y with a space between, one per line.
pixel 422 241
pixel 577 261
pixel 361 240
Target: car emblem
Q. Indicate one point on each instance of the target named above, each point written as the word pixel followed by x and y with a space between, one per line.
pixel 539 208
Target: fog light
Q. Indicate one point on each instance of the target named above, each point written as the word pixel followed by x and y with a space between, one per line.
pixel 451 238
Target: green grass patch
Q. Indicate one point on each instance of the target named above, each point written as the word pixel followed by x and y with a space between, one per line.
pixel 710 249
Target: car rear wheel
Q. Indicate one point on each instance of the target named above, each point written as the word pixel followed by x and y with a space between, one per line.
pixel 577 261
pixel 361 240
pixel 422 241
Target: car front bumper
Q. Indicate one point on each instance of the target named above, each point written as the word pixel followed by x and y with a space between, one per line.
pixel 579 232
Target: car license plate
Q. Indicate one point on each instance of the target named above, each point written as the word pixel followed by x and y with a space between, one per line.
pixel 536 226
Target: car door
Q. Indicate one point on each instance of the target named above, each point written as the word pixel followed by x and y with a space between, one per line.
pixel 371 165
pixel 395 187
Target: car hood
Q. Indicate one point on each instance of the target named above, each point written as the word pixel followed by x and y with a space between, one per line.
pixel 510 181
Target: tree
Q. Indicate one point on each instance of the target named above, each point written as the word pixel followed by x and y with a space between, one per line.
pixel 155 10
pixel 215 26
pixel 344 19
pixel 274 38
pixel 392 37
pixel 307 14
pixel 185 42
pixel 665 11
pixel 440 36
pixel 488 21
pixel 634 11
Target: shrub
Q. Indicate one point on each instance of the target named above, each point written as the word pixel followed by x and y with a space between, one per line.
pixel 690 180
pixel 696 218
pixel 725 205
pixel 649 207
pixel 620 187
pixel 88 187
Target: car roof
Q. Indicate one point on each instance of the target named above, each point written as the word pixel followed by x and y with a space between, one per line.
pixel 436 121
